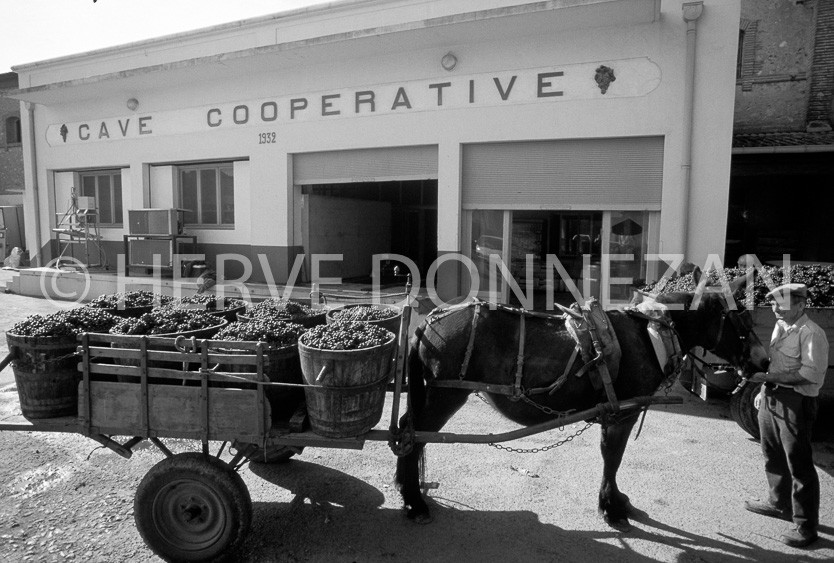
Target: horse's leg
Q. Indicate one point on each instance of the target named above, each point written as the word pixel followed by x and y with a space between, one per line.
pixel 613 504
pixel 440 405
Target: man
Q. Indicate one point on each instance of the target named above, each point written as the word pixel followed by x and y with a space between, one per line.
pixel 787 407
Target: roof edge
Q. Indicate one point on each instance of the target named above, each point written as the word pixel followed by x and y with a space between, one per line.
pixel 308 10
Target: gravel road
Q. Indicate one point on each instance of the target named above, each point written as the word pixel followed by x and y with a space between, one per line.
pixel 63 498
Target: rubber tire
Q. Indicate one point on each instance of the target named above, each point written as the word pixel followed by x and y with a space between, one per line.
pixel 743 411
pixel 272 455
pixel 220 512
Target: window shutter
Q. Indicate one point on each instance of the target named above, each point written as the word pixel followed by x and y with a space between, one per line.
pixel 365 165
pixel 580 173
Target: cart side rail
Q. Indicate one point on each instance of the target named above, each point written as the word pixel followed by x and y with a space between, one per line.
pixel 131 389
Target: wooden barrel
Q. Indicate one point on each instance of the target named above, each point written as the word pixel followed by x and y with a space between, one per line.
pixel 46 373
pixel 347 387
pixel 282 365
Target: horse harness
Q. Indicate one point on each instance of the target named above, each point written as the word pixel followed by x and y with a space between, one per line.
pixel 595 365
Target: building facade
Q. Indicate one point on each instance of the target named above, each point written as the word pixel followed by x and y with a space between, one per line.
pixel 11 169
pixel 584 142
pixel 782 167
pixel 11 144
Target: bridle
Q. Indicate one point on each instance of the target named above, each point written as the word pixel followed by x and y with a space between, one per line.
pixel 743 329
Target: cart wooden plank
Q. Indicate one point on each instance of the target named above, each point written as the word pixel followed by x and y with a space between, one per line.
pixel 59 424
pixel 172 410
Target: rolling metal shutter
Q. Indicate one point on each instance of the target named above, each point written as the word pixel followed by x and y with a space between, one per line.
pixel 577 173
pixel 365 165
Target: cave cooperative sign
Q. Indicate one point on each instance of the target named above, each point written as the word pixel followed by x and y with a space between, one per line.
pixel 599 80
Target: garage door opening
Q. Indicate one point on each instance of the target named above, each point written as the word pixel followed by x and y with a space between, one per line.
pixel 359 220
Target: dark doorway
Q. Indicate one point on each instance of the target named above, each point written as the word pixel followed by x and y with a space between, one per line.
pixel 412 209
pixel 781 204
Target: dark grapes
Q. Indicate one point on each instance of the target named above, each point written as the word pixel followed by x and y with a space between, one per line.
pixel 819 279
pixel 281 308
pixel 363 313
pixel 345 335
pixel 130 299
pixel 65 323
pixel 275 332
pixel 165 321
pixel 206 302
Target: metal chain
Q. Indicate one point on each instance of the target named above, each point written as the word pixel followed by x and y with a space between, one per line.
pixel 545 448
pixel 22 361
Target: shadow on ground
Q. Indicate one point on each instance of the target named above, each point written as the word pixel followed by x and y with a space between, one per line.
pixel 337 518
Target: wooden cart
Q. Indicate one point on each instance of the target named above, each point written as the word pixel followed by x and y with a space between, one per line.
pixel 194 506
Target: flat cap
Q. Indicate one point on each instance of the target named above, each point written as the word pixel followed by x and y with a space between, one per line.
pixel 794 290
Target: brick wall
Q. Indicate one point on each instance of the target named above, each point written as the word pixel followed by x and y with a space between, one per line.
pixel 778 51
pixel 822 71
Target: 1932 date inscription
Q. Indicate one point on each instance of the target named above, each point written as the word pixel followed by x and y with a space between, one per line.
pixel 267 138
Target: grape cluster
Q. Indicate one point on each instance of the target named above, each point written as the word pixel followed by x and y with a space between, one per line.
pixel 281 308
pixel 819 279
pixel 165 321
pixel 275 332
pixel 363 313
pixel 130 299
pixel 65 323
pixel 206 302
pixel 345 335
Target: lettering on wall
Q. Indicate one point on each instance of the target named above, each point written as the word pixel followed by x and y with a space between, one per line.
pixel 634 77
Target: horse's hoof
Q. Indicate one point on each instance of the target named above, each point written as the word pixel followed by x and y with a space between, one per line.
pixel 419 517
pixel 423 519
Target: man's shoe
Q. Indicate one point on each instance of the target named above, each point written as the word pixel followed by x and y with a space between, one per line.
pixel 767 509
pixel 799 538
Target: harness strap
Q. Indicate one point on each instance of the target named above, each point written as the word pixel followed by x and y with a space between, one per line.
pixel 522 329
pixel 564 377
pixel 471 345
pixel 599 362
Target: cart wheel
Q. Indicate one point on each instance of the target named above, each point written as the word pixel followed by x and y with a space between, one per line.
pixel 270 455
pixel 192 507
pixel 743 411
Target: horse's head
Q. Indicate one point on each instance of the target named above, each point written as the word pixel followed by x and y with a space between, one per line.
pixel 706 319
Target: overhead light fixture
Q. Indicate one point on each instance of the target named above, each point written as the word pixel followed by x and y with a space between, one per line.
pixel 132 104
pixel 449 61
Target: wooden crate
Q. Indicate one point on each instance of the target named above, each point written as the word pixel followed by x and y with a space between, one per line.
pixel 196 401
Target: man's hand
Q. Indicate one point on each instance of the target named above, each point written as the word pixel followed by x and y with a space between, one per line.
pixel 758 377
pixel 757 400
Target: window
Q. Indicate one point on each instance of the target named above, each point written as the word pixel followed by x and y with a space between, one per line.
pixel 740 54
pixel 746 65
pixel 13 132
pixel 106 187
pixel 207 193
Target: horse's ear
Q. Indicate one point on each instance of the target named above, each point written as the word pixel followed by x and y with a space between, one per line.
pixel 696 275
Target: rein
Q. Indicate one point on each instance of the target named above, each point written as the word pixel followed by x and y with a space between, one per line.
pixel 742 331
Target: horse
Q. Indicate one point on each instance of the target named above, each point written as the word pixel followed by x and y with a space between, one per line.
pixel 479 344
